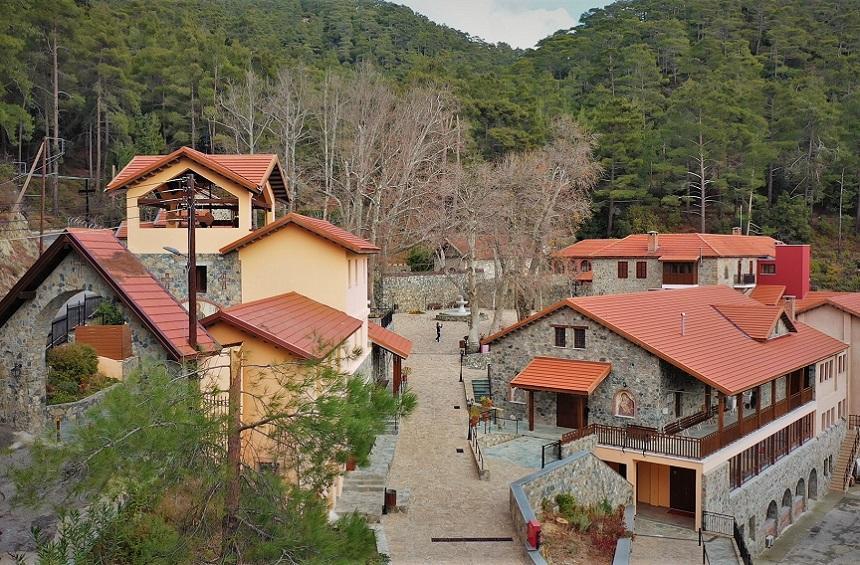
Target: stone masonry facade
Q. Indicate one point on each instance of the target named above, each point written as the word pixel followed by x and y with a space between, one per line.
pixel 711 271
pixel 223 274
pixel 801 473
pixel 23 338
pixel 651 382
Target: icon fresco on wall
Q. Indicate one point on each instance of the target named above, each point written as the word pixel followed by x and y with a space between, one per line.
pixel 625 407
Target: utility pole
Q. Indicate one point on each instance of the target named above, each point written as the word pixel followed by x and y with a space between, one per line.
pixel 192 260
pixel 42 213
pixel 234 453
pixel 17 207
pixel 86 192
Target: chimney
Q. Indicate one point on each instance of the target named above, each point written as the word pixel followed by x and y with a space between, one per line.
pixel 737 231
pixel 683 323
pixel 653 244
pixel 791 308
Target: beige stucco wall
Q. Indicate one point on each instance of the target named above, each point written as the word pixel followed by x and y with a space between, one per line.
pixel 111 368
pixel 295 260
pixel 208 240
pixel 846 328
pixel 830 393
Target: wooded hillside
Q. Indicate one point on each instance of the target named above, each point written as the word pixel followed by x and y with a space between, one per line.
pixel 703 110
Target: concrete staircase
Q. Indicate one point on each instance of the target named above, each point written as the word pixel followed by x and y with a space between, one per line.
pixel 721 551
pixel 847 455
pixel 364 489
pixel 480 389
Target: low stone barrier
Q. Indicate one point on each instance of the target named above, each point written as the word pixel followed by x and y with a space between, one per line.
pixel 64 417
pixel 581 474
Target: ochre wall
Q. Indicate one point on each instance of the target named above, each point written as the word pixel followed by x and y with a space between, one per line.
pixel 293 259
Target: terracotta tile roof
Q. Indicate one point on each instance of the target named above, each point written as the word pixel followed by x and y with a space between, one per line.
pixel 125 274
pixel 387 339
pixel 587 276
pixel 713 349
pixel 322 228
pixel 584 248
pixel 816 298
pixel 250 171
pixel 756 321
pixel 769 294
pixel 679 244
pixel 680 257
pixel 483 247
pixel 562 375
pixel 302 326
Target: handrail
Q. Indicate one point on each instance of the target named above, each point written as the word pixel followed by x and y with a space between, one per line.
pixel 851 459
pixel 742 545
pixel 556 445
pixel 473 440
pixel 688 421
pixel 717 523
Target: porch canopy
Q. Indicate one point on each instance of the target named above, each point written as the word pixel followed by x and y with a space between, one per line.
pixel 398 345
pixel 680 258
pixel 567 376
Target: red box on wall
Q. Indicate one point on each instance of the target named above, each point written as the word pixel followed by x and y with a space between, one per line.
pixel 533 533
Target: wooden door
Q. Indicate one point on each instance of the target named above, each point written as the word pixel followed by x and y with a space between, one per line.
pixel 567 410
pixel 652 484
pixel 682 489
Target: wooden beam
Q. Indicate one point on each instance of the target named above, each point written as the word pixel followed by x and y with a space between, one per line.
pixel 27 294
pixel 582 411
pixel 531 411
pixel 720 405
pixel 707 399
pixel 398 373
pixel 740 403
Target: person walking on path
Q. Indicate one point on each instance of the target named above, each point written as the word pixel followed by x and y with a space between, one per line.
pixel 438 332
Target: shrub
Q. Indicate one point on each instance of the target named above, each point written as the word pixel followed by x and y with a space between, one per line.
pixel 420 259
pixel 566 504
pixel 108 314
pixel 73 373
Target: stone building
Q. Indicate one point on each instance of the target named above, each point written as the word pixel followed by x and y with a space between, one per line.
pixel 706 400
pixel 662 261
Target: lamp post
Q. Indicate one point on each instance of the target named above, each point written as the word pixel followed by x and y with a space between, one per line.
pixel 461 365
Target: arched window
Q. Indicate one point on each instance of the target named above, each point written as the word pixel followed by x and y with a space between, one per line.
pixel 772 510
pixel 813 484
pixel 623 405
pixel 786 498
pixel 800 490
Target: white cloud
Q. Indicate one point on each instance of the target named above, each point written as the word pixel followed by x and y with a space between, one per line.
pixel 519 24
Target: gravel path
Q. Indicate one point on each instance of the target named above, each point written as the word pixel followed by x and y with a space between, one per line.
pixel 446 497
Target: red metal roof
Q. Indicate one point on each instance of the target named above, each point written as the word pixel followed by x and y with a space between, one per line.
pixel 584 248
pixel 755 321
pixel 128 278
pixel 250 171
pixel 562 375
pixel 387 339
pixel 155 305
pixel 302 326
pixel 769 294
pixel 712 348
pixel 322 228
pixel 816 298
pixel 677 244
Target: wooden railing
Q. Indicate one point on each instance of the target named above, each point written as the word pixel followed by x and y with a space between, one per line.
pixel 688 421
pixel 649 439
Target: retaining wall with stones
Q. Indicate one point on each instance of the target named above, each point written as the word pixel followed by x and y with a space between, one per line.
pixel 581 474
pixel 64 417
pixel 23 337
pixel 414 291
pixel 749 503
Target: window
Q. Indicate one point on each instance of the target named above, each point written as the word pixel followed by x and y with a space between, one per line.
pixel 560 337
pixel 641 270
pixel 622 269
pixel 579 338
pixel 677 403
pixel 768 269
pixel 517 395
pixel 200 278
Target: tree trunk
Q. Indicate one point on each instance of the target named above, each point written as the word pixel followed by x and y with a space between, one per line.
pixel 770 183
pixel 857 209
pixel 99 135
pixel 610 216
pixel 474 311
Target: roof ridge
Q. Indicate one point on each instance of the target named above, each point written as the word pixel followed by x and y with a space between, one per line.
pixel 711 247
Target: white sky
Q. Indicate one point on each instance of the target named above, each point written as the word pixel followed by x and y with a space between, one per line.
pixel 519 23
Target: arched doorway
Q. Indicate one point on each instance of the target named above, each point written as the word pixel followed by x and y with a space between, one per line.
pixel 813 484
pixel 785 510
pixel 800 497
pixel 771 520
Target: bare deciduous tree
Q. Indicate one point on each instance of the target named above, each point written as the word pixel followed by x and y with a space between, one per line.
pixel 242 109
pixel 288 108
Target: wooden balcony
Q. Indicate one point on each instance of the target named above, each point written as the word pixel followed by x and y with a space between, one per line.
pixel 651 440
pixel 680 273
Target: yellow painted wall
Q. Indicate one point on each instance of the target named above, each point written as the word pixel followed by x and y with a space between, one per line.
pixel 295 260
pixel 652 484
pixel 209 240
pixel 110 368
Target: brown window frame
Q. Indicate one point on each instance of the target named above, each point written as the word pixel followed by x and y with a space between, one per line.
pixel 641 270
pixel 560 339
pixel 201 278
pixel 622 270
pixel 768 269
pixel 579 338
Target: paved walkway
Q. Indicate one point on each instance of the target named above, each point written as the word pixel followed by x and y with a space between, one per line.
pixel 446 497
pixel 828 534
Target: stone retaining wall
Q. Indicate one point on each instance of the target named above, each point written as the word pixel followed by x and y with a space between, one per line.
pixel 414 291
pixel 749 503
pixel 64 417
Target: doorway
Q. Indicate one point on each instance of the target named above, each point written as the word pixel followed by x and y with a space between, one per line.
pixel 571 411
pixel 682 489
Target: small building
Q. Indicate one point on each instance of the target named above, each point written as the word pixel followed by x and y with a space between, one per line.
pixel 664 261
pixel 706 400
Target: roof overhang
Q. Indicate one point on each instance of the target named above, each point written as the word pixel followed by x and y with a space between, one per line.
pixel 388 340
pixel 567 376
pixel 680 258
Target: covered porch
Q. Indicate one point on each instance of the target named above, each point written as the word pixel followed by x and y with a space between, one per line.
pixel 398 346
pixel 571 381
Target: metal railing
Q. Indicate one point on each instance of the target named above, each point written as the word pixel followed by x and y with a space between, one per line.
pixel 543 458
pixel 746 278
pixel 76 315
pixel 473 440
pixel 718 523
pixel 742 545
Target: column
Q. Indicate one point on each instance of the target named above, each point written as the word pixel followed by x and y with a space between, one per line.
pixel 740 402
pixel 531 410
pixel 720 405
pixel 581 411
pixel 757 410
pixel 398 374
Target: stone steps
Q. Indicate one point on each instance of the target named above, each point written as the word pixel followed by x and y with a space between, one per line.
pixel 843 461
pixel 480 388
pixel 364 489
pixel 721 551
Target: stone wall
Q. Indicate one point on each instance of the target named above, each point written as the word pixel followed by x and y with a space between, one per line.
pixel 633 369
pixel 606 281
pixel 749 503
pixel 223 273
pixel 414 291
pixel 65 417
pixel 24 335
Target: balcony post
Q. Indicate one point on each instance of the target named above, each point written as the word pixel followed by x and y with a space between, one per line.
pixel 531 410
pixel 773 399
pixel 758 407
pixel 740 403
pixel 720 404
pixel 707 399
pixel 581 412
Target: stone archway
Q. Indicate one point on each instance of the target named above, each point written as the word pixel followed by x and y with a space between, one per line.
pixel 799 498
pixel 812 493
pixel 785 510
pixel 772 520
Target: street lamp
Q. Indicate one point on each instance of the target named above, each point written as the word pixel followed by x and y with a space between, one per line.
pixel 462 354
